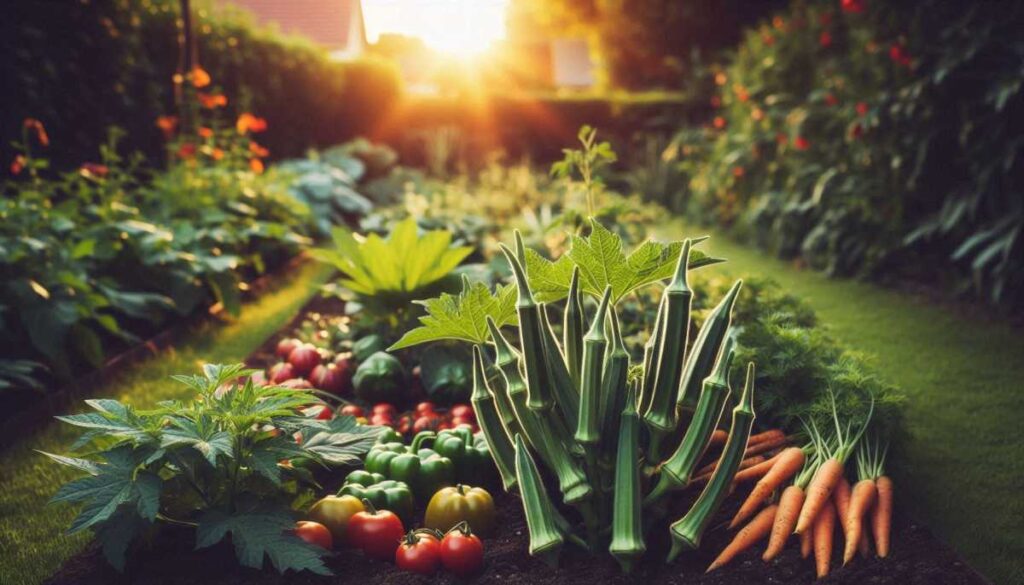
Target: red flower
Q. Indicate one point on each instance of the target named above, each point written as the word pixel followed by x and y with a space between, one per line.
pixel 825 40
pixel 36 126
pixel 167 124
pixel 741 93
pixel 18 164
pixel 852 6
pixel 801 143
pixel 738 172
pixel 205 132
pixel 718 122
pixel 899 55
pixel 831 99
pixel 862 108
pixel 210 101
pixel 248 123
pixel 256 165
pixel 767 39
pixel 93 170
pixel 258 151
pixel 778 23
pixel 200 78
pixel 187 150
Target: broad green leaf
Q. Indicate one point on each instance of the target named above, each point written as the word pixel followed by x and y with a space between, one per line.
pixel 463 317
pixel 108 486
pixel 261 533
pixel 202 435
pixel 603 261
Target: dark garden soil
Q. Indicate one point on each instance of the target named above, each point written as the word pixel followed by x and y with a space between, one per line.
pixel 169 556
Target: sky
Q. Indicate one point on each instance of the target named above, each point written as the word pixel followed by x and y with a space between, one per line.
pixel 462 27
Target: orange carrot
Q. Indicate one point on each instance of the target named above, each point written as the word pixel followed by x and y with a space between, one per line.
pixel 786 465
pixel 841 499
pixel 766 446
pixel 863 545
pixel 824 527
pixel 758 528
pixel 718 438
pixel 818 493
pixel 881 517
pixel 790 502
pixel 756 471
pixel 748 462
pixel 771 435
pixel 805 544
pixel 864 494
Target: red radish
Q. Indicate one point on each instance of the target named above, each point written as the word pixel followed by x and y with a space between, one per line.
pixel 352 410
pixel 425 408
pixel 281 372
pixel 384 408
pixel 304 358
pixel 331 378
pixel 286 346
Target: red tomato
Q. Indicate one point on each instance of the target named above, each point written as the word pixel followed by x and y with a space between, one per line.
pixel 322 412
pixel 352 410
pixel 458 420
pixel 426 423
pixel 462 411
pixel 314 533
pixel 425 408
pixel 384 408
pixel 419 552
pixel 376 533
pixel 382 420
pixel 303 359
pixel 281 372
pixel 462 553
pixel 405 424
pixel 285 347
pixel 444 426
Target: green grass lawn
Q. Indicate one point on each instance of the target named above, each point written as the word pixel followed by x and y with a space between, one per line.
pixel 961 470
pixel 32 538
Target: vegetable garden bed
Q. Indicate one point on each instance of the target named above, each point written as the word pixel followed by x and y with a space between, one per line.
pixel 169 556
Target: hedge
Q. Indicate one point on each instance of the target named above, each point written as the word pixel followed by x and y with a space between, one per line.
pixel 81 67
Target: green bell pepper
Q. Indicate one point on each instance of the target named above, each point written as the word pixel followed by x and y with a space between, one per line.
pixel 423 469
pixel 471 457
pixel 389 435
pixel 383 493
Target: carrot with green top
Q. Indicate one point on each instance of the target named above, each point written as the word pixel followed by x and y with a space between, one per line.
pixel 869 468
pixel 824 532
pixel 786 465
pixel 819 491
pixel 790 503
pixel 750 535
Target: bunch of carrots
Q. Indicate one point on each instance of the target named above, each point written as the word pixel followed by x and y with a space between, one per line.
pixel 817 496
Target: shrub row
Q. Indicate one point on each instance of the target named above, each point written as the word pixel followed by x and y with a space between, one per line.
pixel 81 67
pixel 872 139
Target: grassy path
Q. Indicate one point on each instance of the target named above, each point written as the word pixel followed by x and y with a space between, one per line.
pixel 32 539
pixel 961 470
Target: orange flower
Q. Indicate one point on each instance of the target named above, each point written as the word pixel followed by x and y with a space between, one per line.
pixel 258 151
pixel 167 124
pixel 767 39
pixel 199 76
pixel 738 172
pixel 248 123
pixel 256 165
pixel 801 143
pixel 720 78
pixel 741 92
pixel 757 114
pixel 778 23
pixel 18 164
pixel 210 101
pixel 216 154
pixel 205 132
pixel 719 122
pixel 187 150
pixel 36 126
pixel 93 170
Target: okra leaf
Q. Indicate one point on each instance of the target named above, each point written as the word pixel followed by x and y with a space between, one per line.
pixel 261 533
pixel 603 262
pixel 463 317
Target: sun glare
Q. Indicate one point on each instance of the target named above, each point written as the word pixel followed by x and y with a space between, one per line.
pixel 461 28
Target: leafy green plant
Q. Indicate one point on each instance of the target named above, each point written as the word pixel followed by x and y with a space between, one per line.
pixel 587 163
pixel 385 275
pixel 224 463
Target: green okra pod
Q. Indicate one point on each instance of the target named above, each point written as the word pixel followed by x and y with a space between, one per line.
pixel 567 397
pixel 706 348
pixel 536 429
pixel 546 538
pixel 687 532
pixel 627 544
pixel 650 353
pixel 675 472
pixel 614 389
pixel 498 441
pixel 572 329
pixel 537 387
pixel 594 344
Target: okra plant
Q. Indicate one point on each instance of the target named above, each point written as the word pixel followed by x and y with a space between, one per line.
pixel 607 433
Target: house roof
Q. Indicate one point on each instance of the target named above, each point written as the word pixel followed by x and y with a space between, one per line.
pixel 328 22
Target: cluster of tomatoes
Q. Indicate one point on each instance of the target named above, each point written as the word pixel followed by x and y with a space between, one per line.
pixel 425 417
pixel 377 532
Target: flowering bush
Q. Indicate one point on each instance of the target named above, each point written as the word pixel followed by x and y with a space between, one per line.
pixel 848 136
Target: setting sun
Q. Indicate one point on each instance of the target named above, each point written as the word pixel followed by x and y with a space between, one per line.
pixel 457 27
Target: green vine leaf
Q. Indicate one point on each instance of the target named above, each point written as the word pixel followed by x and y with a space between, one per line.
pixel 463 317
pixel 603 261
pixel 261 533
